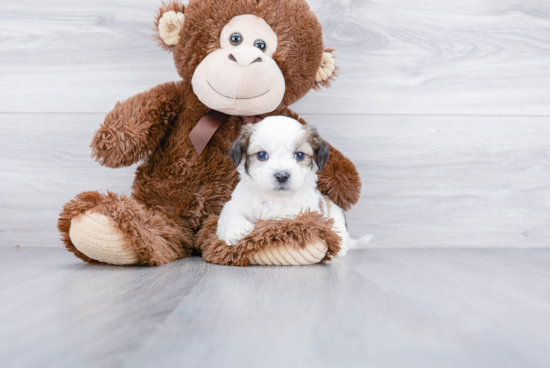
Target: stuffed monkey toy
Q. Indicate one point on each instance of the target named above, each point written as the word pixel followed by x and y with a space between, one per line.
pixel 239 62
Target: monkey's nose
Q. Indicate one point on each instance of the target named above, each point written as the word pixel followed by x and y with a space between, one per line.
pixel 282 177
pixel 232 58
pixel 245 57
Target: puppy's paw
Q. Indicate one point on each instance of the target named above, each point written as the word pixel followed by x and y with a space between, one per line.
pixel 343 251
pixel 235 233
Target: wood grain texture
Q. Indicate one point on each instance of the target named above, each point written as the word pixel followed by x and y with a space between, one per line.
pixel 45 161
pixel 450 180
pixel 67 56
pixel 376 308
pixel 428 181
pixel 396 56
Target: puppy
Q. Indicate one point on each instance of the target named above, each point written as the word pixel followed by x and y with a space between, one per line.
pixel 277 160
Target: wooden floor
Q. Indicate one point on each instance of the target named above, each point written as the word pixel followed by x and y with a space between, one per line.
pixel 375 308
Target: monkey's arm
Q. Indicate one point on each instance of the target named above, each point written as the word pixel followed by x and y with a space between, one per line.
pixel 340 180
pixel 135 127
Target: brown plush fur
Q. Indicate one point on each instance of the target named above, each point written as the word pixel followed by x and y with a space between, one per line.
pixel 177 194
pixel 133 129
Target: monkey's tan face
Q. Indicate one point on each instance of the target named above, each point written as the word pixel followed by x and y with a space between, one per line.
pixel 241 77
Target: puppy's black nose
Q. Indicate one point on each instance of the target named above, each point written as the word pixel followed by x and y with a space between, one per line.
pixel 282 177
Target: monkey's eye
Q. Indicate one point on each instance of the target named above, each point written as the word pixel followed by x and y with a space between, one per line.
pixel 260 44
pixel 299 156
pixel 262 156
pixel 236 39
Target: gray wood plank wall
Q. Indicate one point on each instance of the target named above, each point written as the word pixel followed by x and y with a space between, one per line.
pixel 443 105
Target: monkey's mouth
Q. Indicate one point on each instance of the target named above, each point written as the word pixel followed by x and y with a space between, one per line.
pixel 237 98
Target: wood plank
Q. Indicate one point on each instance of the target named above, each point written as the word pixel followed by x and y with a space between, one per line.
pixel 436 57
pixel 45 160
pixel 457 308
pixel 448 181
pixel 396 56
pixel 63 56
pixel 87 315
pixel 378 307
pixel 429 181
pixel 38 262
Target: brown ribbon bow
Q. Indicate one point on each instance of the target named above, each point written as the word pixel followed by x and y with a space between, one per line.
pixel 203 132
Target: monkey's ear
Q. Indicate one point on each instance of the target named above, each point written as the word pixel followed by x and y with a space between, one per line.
pixel 327 69
pixel 168 24
pixel 322 154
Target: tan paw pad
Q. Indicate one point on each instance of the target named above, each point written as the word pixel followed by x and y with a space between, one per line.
pixel 289 255
pixel 98 237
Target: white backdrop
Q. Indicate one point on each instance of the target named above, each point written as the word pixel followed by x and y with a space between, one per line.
pixel 443 105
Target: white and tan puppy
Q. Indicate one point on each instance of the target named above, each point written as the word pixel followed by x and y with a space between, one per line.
pixel 277 160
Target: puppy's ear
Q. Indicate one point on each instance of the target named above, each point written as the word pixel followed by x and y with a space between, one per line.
pixel 237 150
pixel 321 149
pixel 322 154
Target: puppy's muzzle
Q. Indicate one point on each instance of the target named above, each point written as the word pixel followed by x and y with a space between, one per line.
pixel 282 177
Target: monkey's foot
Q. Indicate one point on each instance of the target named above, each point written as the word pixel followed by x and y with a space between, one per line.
pixel 98 237
pixel 117 230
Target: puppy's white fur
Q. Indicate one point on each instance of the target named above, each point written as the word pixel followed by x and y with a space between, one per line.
pixel 260 195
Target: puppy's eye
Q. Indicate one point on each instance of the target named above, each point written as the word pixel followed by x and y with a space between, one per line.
pixel 236 39
pixel 299 156
pixel 260 44
pixel 262 156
